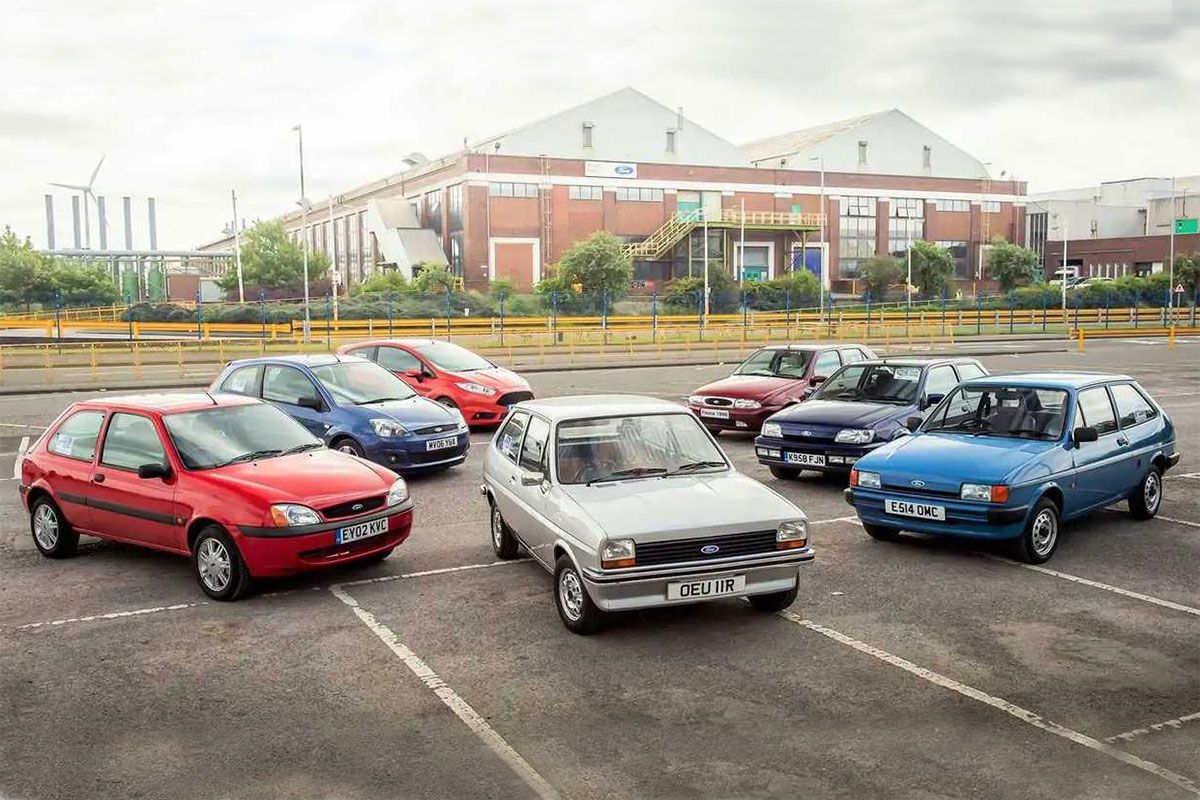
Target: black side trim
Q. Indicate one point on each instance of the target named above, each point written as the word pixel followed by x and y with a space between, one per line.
pixel 1172 460
pixel 323 527
pixel 848 494
pixel 22 489
pixel 1006 516
pixel 77 499
pixel 137 513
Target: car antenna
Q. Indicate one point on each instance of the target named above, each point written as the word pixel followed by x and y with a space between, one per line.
pixel 210 397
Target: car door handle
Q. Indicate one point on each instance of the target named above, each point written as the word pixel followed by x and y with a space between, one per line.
pixel 1122 441
pixel 98 478
pixel 512 479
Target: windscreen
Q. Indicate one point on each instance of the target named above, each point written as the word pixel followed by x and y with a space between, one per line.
pixel 214 437
pixel 776 363
pixel 1015 412
pixel 618 448
pixel 876 383
pixel 361 383
pixel 452 358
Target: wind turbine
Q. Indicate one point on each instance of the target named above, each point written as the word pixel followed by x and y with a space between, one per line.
pixel 87 192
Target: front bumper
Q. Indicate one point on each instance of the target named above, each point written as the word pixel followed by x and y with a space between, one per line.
pixel 413 454
pixel 750 419
pixel 972 520
pixel 648 588
pixel 271 552
pixel 485 412
pixel 837 457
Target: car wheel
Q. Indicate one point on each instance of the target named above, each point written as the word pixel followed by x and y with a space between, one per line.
pixel 1145 500
pixel 575 607
pixel 714 431
pixel 447 402
pixel 348 446
pixel 504 543
pixel 775 601
pixel 218 564
pixel 375 558
pixel 1038 542
pixel 881 532
pixel 52 534
pixel 785 473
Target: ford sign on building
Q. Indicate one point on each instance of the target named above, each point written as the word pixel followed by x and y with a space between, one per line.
pixel 609 169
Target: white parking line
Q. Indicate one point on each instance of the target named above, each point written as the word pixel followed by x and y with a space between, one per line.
pixel 1145 598
pixel 851 518
pixel 1187 522
pixel 1192 475
pixel 1158 726
pixel 470 717
pixel 442 571
pixel 138 612
pixel 1012 709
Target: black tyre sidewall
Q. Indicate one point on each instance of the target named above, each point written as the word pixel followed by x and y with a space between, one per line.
pixel 784 473
pixel 591 617
pixel 358 451
pixel 1024 542
pixel 509 546
pixel 775 601
pixel 881 532
pixel 239 577
pixel 68 539
pixel 1138 506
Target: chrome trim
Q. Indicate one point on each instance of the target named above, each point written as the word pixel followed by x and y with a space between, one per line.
pixel 680 568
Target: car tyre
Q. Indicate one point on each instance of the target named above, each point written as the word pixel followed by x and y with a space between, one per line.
pixel 1040 538
pixel 219 567
pixel 576 609
pixel 375 558
pixel 53 536
pixel 785 473
pixel 504 543
pixel 714 431
pixel 881 532
pixel 447 402
pixel 349 446
pixel 1147 498
pixel 775 601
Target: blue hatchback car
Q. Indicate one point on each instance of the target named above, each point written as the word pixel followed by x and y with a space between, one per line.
pixel 857 410
pixel 1012 456
pixel 355 406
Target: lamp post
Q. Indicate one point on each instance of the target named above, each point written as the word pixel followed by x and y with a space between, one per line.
pixel 304 204
pixel 1171 257
pixel 1063 270
pixel 704 306
pixel 237 249
pixel 821 252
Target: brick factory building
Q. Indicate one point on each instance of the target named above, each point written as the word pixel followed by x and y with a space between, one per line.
pixel 509 206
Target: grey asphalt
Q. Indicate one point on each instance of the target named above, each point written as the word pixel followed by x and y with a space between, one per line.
pixel 291 694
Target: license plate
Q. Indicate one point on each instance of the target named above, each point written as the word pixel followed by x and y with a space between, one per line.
pixel 352 533
pixel 704 588
pixel 441 444
pixel 714 413
pixel 919 510
pixel 808 459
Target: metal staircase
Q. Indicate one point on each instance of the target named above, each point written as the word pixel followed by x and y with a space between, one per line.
pixel 659 243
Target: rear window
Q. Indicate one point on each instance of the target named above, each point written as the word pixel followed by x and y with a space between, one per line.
pixel 1132 406
pixel 76 437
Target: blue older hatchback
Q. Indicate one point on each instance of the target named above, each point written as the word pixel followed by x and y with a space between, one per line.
pixel 1011 456
pixel 355 406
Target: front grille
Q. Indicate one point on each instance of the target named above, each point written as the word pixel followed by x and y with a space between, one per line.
pixel 432 429
pixel 721 402
pixel 737 544
pixel 354 507
pixel 514 397
pixel 920 490
pixel 432 456
pixel 806 435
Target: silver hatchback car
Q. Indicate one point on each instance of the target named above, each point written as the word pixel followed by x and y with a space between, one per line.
pixel 630 503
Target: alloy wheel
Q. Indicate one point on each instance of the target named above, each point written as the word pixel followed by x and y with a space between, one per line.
pixel 214 564
pixel 45 526
pixel 497 528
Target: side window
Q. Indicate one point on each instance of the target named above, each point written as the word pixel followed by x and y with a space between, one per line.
pixel 370 353
pixel 508 441
pixel 940 380
pixel 76 437
pixel 1096 410
pixel 243 380
pixel 287 385
pixel 397 360
pixel 130 442
pixel 1132 407
pixel 968 371
pixel 827 364
pixel 534 450
pixel 852 356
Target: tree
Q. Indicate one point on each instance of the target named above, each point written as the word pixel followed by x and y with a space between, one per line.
pixel 271 262
pixel 932 268
pixel 1010 265
pixel 880 272
pixel 83 284
pixel 1187 272
pixel 432 279
pixel 24 272
pixel 597 263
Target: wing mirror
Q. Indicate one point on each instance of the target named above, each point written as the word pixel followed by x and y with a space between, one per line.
pixel 531 478
pixel 150 471
pixel 817 380
pixel 418 374
pixel 310 402
pixel 932 400
pixel 1084 434
pixel 912 423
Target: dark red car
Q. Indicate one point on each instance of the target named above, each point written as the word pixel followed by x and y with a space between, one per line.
pixel 768 380
pixel 232 482
pixel 449 374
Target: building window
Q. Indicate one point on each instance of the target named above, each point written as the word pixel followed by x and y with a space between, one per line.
pixel 958 252
pixel 454 203
pixel 906 223
pixel 991 206
pixel 585 192
pixel 513 189
pixel 456 253
pixel 857 230
pixel 433 211
pixel 587 134
pixel 670 141
pixel 956 206
pixel 862 151
pixel 907 207
pixel 415 204
pixel 638 195
pixel 926 157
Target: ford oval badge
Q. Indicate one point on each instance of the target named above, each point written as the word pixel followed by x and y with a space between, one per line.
pixel 918 484
pixel 623 169
pixel 710 549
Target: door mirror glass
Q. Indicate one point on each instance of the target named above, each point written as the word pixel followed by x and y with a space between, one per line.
pixel 1085 434
pixel 932 399
pixel 912 423
pixel 149 471
pixel 531 478
pixel 310 402
pixel 817 380
pixel 415 373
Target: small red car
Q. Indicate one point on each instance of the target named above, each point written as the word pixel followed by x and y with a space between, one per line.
pixel 234 483
pixel 771 378
pixel 449 374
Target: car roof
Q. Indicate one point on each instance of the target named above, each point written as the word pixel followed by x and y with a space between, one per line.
pixel 1050 380
pixel 405 342
pixel 299 359
pixel 168 403
pixel 918 362
pixel 586 406
pixel 811 345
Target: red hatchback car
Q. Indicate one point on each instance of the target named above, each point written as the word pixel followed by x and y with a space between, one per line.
pixel 768 380
pixel 232 482
pixel 449 374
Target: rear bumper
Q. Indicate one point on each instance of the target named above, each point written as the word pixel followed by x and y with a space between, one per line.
pixel 281 554
pixel 633 591
pixel 965 519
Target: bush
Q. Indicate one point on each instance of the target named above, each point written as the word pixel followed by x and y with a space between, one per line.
pixel 683 294
pixel 382 283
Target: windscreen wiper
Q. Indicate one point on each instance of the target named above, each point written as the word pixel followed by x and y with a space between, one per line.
pixel 251 456
pixel 692 466
pixel 632 472
pixel 300 448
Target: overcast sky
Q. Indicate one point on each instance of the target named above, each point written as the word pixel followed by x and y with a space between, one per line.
pixel 191 99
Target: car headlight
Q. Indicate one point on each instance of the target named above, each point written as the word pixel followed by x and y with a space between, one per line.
pixel 854 436
pixel 286 515
pixel 387 428
pixel 791 534
pixel 617 553
pixel 866 480
pixel 696 399
pixel 984 492
pixel 476 388
pixel 398 493
pixel 772 430
pixel 744 403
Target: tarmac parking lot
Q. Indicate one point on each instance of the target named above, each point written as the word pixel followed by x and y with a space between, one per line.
pixel 918 669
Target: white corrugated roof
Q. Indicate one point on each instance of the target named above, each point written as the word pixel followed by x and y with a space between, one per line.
pixel 787 143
